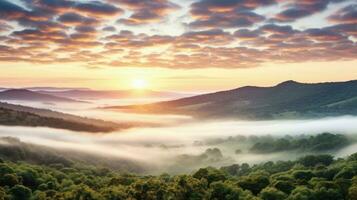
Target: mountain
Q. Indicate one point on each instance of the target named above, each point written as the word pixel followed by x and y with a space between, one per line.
pixel 17 115
pixel 53 88
pixel 90 94
pixel 111 94
pixel 27 95
pixel 289 99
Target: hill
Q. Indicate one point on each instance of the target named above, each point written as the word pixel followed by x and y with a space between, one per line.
pixel 16 115
pixel 289 99
pixel 28 95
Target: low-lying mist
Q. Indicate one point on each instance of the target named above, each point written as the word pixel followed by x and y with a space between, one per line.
pixel 185 147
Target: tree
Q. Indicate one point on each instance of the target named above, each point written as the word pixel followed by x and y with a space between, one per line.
pixel 271 193
pixel 312 160
pixel 304 175
pixel 5 169
pixel 115 193
pixel 3 195
pixel 226 190
pixel 301 193
pixel 347 172
pixel 352 193
pixel 254 182
pixel 9 180
pixel 284 186
pixel 327 194
pixel 20 192
pixel 188 188
pixel 151 189
pixel 82 192
pixel 210 174
pixel 29 178
pixel 232 170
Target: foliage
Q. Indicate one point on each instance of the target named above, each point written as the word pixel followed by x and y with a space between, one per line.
pixel 320 142
pixel 308 178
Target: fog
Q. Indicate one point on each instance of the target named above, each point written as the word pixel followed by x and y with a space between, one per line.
pixel 183 147
pixel 94 110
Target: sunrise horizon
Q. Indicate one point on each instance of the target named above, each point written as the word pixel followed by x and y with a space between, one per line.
pixel 186 46
pixel 178 99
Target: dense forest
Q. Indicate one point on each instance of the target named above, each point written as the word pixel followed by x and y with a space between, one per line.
pixel 314 177
pixel 320 142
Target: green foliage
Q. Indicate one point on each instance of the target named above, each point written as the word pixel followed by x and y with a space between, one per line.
pixel 271 193
pixel 304 179
pixel 227 190
pixel 318 143
pixel 352 193
pixel 302 193
pixel 255 182
pixel 284 186
pixel 210 174
pixel 312 160
pixel 9 180
pixel 20 192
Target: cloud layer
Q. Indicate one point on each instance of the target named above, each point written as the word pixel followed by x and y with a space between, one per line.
pixel 211 33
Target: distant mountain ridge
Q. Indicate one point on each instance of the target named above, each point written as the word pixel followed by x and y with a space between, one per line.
pixel 289 99
pixel 28 95
pixel 91 94
pixel 54 88
pixel 112 94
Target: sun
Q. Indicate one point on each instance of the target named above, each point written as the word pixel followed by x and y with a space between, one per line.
pixel 139 84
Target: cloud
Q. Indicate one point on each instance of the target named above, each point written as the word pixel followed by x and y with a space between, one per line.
pixel 213 36
pixel 56 5
pixel 246 34
pixel 277 29
pixel 302 8
pixel 5 27
pixel 10 11
pixel 226 13
pixel 31 35
pixel 109 29
pixel 227 20
pixel 97 8
pixel 219 33
pixel 346 15
pixel 72 18
pixel 324 35
pixel 146 11
pixel 42 25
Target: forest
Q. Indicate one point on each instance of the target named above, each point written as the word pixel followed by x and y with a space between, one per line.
pixel 318 143
pixel 313 177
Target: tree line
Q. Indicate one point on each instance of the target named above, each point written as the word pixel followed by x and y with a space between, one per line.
pixel 314 177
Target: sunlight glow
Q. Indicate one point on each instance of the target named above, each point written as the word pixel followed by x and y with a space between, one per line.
pixel 139 84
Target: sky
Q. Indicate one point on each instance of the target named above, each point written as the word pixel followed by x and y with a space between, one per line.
pixel 176 45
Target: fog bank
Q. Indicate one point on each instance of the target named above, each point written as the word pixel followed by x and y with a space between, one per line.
pixel 163 148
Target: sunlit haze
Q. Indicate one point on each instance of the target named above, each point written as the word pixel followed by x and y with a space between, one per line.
pixel 187 46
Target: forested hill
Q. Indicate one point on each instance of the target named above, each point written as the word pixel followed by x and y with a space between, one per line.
pixel 289 99
pixel 317 177
pixel 17 115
